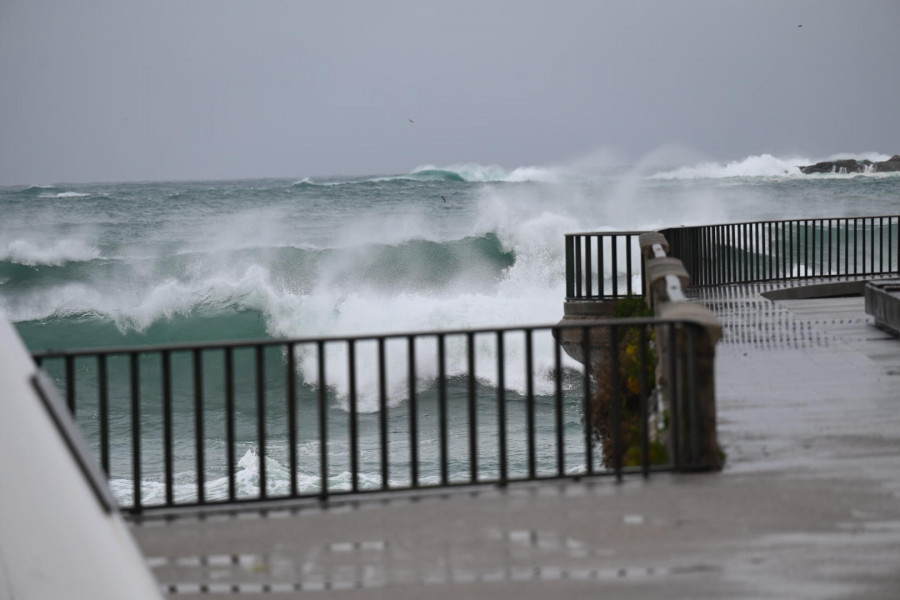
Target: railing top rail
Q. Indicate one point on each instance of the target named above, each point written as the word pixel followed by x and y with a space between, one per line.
pixel 615 232
pixel 797 220
pixel 219 345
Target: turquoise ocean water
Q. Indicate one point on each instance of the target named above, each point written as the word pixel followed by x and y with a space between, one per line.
pixel 112 264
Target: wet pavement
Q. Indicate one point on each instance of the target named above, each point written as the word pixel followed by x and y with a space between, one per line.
pixel 808 505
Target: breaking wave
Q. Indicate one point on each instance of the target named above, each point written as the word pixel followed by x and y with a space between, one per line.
pixel 763 165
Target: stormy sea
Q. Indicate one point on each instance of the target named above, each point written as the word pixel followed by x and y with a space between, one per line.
pixel 440 247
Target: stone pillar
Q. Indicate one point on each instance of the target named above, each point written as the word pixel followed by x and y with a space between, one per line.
pixel 696 440
pixel 686 367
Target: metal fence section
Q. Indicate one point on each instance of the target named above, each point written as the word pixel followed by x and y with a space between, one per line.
pixel 207 424
pixel 603 266
pixel 779 250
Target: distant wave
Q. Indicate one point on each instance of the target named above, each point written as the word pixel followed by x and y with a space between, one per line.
pixel 32 190
pixel 763 165
pixel 475 173
pixel 461 173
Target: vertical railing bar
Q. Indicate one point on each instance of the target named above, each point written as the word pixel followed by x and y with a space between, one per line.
pixel 723 248
pixel 383 416
pixel 615 265
pixel 754 251
pixel 806 248
pixel 732 250
pixel 168 467
pixel 881 244
pixel 628 259
pixel 744 254
pixel 198 426
pixel 501 409
pixel 261 419
pixel 786 241
pixel 846 247
pixel 354 415
pixel 793 247
pixel 558 397
pixel 863 249
pixel 891 244
pixel 779 250
pixel 322 398
pixel 821 229
pixel 472 407
pixel 442 408
pixel 722 251
pixel 871 245
pixel 588 271
pixel 291 382
pixel 732 247
pixel 570 266
pixel 136 429
pixel 579 274
pixel 760 256
pixel 836 241
pixel 586 401
pixel 702 258
pixel 103 402
pixel 601 266
pixel 857 234
pixel 413 414
pixel 530 403
pixel 70 384
pixel 830 244
pixel 736 246
pixel 229 423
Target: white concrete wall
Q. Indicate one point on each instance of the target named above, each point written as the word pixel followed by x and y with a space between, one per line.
pixel 56 540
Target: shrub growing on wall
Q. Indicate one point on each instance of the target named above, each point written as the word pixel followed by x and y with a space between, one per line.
pixel 632 385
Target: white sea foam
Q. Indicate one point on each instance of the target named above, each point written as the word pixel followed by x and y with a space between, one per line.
pixel 246 480
pixel 71 195
pixel 58 252
pixel 763 165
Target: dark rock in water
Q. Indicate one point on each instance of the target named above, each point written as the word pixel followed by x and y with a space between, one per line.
pixel 890 165
pixel 851 165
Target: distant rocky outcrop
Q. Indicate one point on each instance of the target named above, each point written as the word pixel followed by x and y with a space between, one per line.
pixel 851 165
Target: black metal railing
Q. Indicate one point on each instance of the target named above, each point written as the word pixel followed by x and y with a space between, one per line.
pixel 218 423
pixel 780 250
pixel 603 266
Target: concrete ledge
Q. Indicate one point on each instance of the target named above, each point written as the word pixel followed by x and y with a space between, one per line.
pixel 691 311
pixel 821 290
pixel 592 309
pixel 883 303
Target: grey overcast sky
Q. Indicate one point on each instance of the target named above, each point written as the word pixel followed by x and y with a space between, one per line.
pixel 119 90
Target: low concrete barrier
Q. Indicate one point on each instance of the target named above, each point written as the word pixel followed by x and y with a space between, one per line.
pixel 883 303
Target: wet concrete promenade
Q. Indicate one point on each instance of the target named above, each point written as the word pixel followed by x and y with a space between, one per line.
pixel 808 505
